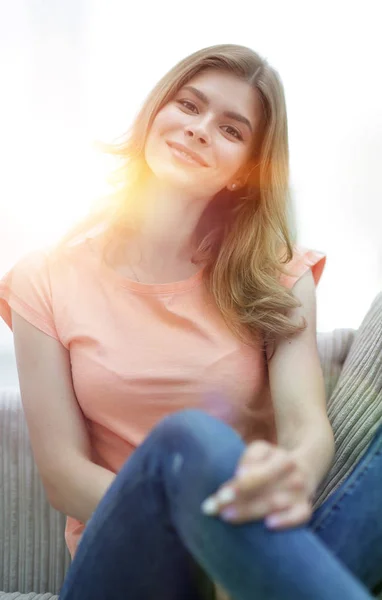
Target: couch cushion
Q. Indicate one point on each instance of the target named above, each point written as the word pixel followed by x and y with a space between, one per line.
pixel 33 553
pixel 355 405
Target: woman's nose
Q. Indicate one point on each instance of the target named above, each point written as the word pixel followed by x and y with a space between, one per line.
pixel 198 133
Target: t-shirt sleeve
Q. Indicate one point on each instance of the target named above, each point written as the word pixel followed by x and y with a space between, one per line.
pixel 26 289
pixel 303 259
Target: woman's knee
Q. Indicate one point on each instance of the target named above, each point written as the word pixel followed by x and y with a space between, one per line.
pixel 196 426
pixel 199 442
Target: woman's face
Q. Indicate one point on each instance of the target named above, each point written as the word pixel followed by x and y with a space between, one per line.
pixel 216 116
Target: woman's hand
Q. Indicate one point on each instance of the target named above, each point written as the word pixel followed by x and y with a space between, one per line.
pixel 269 483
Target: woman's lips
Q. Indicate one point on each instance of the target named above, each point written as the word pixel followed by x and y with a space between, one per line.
pixel 186 155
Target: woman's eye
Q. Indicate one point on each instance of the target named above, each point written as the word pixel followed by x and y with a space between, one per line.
pixel 232 131
pixel 189 105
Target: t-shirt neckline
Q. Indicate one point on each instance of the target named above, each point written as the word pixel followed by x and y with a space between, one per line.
pixel 146 288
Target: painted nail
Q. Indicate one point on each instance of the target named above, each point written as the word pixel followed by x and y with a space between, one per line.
pixel 209 506
pixel 272 521
pixel 226 495
pixel 242 472
pixel 229 513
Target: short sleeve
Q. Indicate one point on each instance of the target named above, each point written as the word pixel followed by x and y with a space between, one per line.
pixel 303 259
pixel 26 290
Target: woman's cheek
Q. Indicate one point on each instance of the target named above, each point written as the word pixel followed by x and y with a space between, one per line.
pixel 171 118
pixel 230 163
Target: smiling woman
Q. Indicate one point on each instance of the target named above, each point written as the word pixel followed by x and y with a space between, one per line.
pixel 144 347
pixel 202 129
pixel 207 159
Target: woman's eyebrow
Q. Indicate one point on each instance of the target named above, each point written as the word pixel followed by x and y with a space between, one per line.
pixel 228 113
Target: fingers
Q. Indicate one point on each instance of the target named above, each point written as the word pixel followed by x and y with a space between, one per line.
pixel 257 475
pixel 255 510
pixel 289 512
pixel 256 450
pixel 267 484
pixel 294 516
pixel 237 514
pixel 262 502
pixel 254 477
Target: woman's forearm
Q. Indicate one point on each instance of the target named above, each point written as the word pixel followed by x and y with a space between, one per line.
pixel 77 488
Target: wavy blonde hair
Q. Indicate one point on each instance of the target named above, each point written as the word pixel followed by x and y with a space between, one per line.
pixel 243 238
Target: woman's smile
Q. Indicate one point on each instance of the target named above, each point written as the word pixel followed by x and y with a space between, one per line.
pixel 186 155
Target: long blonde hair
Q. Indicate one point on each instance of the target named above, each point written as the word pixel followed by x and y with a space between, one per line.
pixel 244 238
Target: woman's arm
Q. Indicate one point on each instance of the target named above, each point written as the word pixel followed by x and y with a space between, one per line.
pixel 298 392
pixel 57 429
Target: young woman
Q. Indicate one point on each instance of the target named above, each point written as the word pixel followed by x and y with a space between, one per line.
pixel 169 372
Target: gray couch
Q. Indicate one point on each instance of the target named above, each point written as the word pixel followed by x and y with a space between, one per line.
pixel 33 555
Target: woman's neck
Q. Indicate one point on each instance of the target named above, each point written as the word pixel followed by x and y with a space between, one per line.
pixel 169 219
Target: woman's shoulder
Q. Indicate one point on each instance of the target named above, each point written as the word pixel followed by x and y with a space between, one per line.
pixel 41 283
pixel 50 266
pixel 303 258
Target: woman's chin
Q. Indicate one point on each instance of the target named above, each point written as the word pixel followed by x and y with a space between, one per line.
pixel 179 180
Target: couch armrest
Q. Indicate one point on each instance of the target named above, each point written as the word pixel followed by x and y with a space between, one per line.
pixel 354 405
pixel 333 348
pixel 33 553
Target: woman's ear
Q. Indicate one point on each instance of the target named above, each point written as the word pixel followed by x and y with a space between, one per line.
pixel 236 185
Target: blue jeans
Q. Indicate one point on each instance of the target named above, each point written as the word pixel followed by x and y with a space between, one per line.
pixel 149 540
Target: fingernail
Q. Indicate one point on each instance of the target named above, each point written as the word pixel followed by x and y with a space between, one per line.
pixel 209 506
pixel 242 472
pixel 229 513
pixel 272 521
pixel 226 494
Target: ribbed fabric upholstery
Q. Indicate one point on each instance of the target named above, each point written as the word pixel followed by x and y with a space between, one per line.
pixel 33 554
pixel 31 596
pixel 354 405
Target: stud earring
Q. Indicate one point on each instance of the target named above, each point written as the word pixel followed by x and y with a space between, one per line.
pixel 233 186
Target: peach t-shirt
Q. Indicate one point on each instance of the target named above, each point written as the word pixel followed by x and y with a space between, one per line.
pixel 142 351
